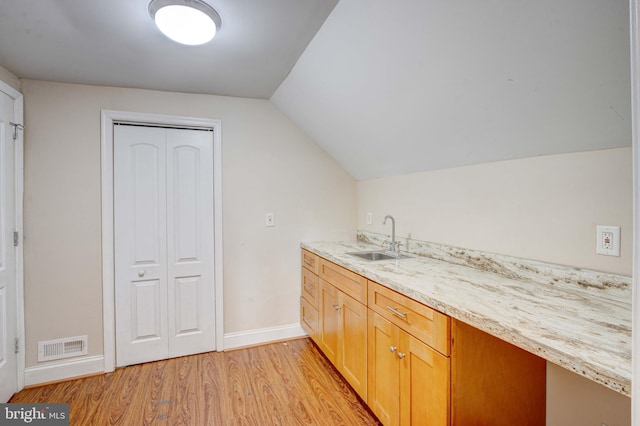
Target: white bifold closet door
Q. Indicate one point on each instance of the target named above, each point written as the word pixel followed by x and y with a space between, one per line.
pixel 164 249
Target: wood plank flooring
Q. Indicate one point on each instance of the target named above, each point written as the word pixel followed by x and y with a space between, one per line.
pixel 285 383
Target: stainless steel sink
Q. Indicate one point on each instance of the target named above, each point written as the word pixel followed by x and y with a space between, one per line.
pixel 377 255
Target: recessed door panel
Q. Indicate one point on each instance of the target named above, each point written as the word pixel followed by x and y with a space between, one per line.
pixel 146 203
pixel 186 187
pixel 188 309
pixel 146 313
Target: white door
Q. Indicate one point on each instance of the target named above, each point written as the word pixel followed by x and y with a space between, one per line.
pixel 8 318
pixel 164 247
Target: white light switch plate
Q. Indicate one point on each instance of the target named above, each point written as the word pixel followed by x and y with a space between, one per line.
pixel 269 219
pixel 608 240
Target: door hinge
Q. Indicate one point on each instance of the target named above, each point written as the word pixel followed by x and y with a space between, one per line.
pixel 16 127
pixel 17 345
pixel 16 238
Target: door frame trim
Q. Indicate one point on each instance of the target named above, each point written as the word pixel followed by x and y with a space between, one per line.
pixel 108 117
pixel 18 116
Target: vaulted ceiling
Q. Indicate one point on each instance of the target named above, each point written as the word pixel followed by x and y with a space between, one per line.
pixel 386 88
pixel 416 85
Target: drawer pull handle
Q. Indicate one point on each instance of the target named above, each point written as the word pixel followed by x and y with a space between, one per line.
pixel 308 261
pixel 392 348
pixel 400 355
pixel 397 312
pixel 307 320
pixel 308 288
pixel 336 306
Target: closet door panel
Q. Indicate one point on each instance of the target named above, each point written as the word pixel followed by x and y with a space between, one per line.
pixel 140 244
pixel 190 241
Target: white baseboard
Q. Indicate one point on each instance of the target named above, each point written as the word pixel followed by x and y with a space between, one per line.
pixel 262 335
pixel 63 370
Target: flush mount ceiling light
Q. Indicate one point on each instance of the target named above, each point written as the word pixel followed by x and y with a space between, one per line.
pixel 190 22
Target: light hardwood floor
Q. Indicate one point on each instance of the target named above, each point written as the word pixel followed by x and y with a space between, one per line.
pixel 285 383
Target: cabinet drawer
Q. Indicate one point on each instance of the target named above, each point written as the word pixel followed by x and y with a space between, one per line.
pixel 309 318
pixel 310 261
pixel 348 282
pixel 310 287
pixel 428 325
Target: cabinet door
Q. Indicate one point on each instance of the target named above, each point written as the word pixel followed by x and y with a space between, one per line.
pixel 384 379
pixel 424 383
pixel 352 359
pixel 329 320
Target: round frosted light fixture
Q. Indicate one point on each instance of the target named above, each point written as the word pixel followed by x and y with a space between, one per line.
pixel 190 22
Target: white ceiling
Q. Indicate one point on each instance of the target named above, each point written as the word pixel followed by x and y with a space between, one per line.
pixel 422 85
pixel 385 88
pixel 115 43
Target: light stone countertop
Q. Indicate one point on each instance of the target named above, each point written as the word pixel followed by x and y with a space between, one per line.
pixel 575 318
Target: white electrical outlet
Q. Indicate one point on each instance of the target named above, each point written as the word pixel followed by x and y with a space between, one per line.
pixel 369 218
pixel 269 219
pixel 608 240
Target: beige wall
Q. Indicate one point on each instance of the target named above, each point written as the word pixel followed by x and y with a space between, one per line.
pixel 543 208
pixel 268 166
pixel 9 78
pixel 573 400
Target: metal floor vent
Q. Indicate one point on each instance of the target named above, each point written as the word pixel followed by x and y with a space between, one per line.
pixel 62 348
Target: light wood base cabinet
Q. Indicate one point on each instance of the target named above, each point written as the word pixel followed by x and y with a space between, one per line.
pixel 343 335
pixel 412 364
pixel 408 380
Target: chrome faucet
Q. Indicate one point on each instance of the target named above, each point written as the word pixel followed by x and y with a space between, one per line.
pixel 394 246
